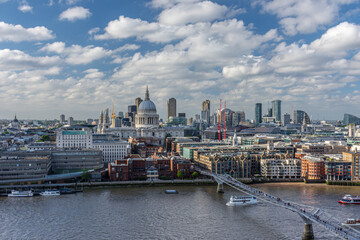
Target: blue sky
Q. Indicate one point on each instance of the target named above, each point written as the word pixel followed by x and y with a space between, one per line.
pixel 75 56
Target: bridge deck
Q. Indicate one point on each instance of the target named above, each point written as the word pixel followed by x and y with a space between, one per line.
pixel 307 213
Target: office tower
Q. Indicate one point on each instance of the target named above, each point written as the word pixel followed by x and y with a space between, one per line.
pixel 171 108
pixel 258 113
pixel 121 115
pixel 70 121
pixel 131 113
pixel 182 115
pixel 276 110
pixel 238 118
pixel 62 119
pixel 205 111
pixel 348 118
pixel 286 119
pixel 137 103
pixel 299 117
pixel 352 130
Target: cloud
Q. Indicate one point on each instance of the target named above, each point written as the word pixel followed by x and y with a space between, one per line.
pixel 305 16
pixel 17 33
pixel 25 7
pixel 75 13
pixel 169 3
pixel 76 54
pixel 181 14
pixel 18 60
pixel 93 31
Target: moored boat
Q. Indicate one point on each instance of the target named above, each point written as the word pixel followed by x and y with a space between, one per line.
pixel 50 193
pixel 241 200
pixel 15 193
pixel 351 222
pixel 348 199
pixel 171 191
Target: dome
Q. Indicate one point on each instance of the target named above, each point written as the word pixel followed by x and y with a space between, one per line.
pixel 147 106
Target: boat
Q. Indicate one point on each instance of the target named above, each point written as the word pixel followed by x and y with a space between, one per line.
pixel 15 193
pixel 348 199
pixel 170 191
pixel 50 193
pixel 67 191
pixel 351 222
pixel 241 200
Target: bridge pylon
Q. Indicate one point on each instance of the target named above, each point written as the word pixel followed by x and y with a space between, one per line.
pixel 308 233
pixel 220 187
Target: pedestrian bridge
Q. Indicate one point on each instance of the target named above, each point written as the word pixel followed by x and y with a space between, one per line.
pixel 308 214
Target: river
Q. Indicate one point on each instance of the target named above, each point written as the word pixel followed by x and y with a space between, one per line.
pixel 197 212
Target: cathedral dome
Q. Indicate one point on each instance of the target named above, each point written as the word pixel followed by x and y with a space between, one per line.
pixel 147 106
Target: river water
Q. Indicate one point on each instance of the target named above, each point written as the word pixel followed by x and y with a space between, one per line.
pixel 197 212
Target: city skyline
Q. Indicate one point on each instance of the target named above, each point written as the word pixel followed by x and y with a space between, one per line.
pixel 75 56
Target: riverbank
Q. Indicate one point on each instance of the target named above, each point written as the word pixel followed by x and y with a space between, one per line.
pixel 342 183
pixel 4 189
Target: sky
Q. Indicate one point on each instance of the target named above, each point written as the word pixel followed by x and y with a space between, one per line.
pixel 77 56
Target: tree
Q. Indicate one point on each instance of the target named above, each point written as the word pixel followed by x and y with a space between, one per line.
pixel 180 174
pixel 195 174
pixel 45 138
pixel 85 176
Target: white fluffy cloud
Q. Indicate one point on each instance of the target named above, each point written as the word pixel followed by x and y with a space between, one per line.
pixel 304 16
pixel 17 33
pixel 25 7
pixel 181 14
pixel 18 60
pixel 76 54
pixel 75 13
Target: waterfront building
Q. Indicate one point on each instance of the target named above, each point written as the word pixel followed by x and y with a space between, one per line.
pixel 338 170
pixel 69 160
pixel 74 137
pixel 258 113
pixel 276 110
pixel 27 166
pixel 62 119
pixel 313 167
pixel 171 108
pixel 237 165
pixel 299 117
pixel 348 118
pixel 112 149
pixel 281 168
pixel 322 148
pixel 354 158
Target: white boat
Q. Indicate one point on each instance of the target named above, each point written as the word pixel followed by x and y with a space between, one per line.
pixel 241 200
pixel 351 222
pixel 50 193
pixel 15 193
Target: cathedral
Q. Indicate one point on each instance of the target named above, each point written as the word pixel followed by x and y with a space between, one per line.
pixel 146 123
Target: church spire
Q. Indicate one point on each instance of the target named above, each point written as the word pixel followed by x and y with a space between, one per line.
pixel 147 96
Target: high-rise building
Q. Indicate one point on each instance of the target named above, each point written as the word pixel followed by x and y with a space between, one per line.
pixel 299 116
pixel 238 118
pixel 62 119
pixel 276 110
pixel 258 113
pixel 286 119
pixel 137 103
pixel 121 115
pixel 205 111
pixel 348 118
pixel 183 115
pixel 70 121
pixel 171 108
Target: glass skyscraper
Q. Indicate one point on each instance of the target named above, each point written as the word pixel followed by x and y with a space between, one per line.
pixel 258 113
pixel 276 110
